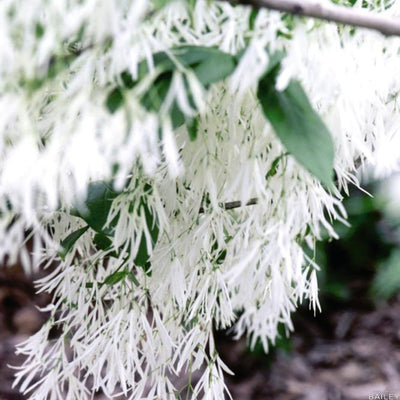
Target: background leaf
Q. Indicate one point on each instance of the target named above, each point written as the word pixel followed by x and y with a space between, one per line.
pixel 386 282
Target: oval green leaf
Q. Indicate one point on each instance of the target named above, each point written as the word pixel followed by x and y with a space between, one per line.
pixel 68 243
pixel 300 129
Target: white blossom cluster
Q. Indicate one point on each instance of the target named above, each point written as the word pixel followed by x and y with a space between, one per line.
pixel 212 266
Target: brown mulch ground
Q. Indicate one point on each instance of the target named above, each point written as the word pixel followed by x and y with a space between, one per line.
pixel 19 318
pixel 344 354
pixel 359 358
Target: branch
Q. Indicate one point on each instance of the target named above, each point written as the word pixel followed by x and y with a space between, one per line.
pixel 234 204
pixel 330 12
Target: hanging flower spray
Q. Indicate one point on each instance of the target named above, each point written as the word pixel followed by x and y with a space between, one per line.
pixel 174 162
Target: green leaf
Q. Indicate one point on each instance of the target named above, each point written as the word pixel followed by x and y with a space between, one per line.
pixel 115 277
pixel 209 64
pixel 102 241
pixel 98 203
pixel 133 279
pixel 39 30
pixel 274 166
pixel 187 56
pixel 127 80
pixel 154 98
pixel 177 116
pixel 252 18
pixel 193 128
pixel 114 100
pixel 274 63
pixel 68 243
pixel 143 254
pixel 215 68
pixel 298 126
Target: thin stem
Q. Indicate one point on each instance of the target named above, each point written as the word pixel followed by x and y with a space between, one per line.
pixel 234 204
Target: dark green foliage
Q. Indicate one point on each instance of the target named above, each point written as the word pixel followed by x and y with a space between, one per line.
pixel 386 282
pixel 95 212
pixel 115 277
pixel 214 68
pixel 348 265
pixel 114 100
pixel 68 243
pixel 197 58
pixel 252 19
pixel 127 80
pixel 39 30
pixel 102 241
pixel 297 125
pixel 209 64
pixel 274 65
pixel 143 254
pixel 274 166
pixel 282 344
pixel 156 94
pixel 97 206
pixel 193 127
pixel 133 279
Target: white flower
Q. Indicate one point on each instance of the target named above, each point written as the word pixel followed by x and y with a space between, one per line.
pixel 126 327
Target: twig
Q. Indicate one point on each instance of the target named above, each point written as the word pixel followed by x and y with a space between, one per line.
pixel 330 12
pixel 234 204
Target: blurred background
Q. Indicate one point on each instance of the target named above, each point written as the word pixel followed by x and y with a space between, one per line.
pixel 351 350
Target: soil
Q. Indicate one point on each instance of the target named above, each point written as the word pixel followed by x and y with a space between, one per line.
pixel 358 359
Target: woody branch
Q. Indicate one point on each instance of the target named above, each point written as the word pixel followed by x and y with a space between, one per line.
pixel 362 18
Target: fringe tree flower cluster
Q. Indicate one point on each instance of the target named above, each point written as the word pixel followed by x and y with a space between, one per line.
pixel 152 155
